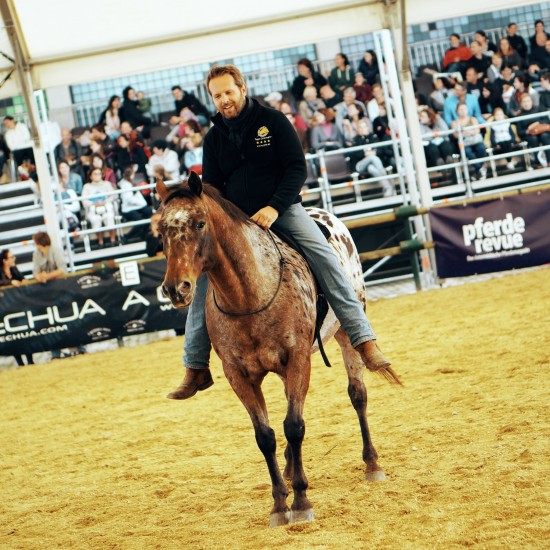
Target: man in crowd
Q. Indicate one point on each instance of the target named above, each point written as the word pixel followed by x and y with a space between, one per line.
pixel 183 99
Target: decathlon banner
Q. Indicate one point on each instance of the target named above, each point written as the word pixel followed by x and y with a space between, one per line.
pixel 492 235
pixel 80 309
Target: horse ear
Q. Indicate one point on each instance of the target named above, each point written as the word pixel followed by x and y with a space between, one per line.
pixel 161 189
pixel 195 183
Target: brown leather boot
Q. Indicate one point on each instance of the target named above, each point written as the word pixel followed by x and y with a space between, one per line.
pixel 195 380
pixel 372 356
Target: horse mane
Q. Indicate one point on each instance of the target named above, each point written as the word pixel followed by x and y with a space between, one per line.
pixel 183 190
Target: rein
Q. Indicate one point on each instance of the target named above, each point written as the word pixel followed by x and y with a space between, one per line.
pixel 263 308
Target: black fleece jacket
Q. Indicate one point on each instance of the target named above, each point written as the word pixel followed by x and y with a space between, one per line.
pixel 268 170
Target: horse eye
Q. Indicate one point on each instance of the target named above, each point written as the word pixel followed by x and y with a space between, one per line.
pixel 201 224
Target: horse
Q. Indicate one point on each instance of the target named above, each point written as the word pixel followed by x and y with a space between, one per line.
pixel 261 318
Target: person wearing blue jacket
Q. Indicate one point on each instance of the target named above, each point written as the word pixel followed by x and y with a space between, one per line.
pixel 461 96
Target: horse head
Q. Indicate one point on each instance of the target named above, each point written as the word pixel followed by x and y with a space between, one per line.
pixel 185 230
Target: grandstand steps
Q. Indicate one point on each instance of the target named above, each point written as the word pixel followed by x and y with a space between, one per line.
pixel 16 195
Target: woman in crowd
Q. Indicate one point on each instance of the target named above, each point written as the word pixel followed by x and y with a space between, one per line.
pixel 493 72
pixel 68 178
pixel 502 136
pixel 310 104
pixel 442 90
pixel 350 123
pixel 488 48
pixel 325 133
pixel 132 114
pixel 307 76
pixel 510 57
pixel 130 151
pixel 71 205
pixel 489 100
pixel 437 149
pixel 363 90
pixel 342 76
pixel 99 206
pixel 97 161
pixel 521 86
pixel 192 157
pixel 134 206
pixel 377 100
pixel 300 124
pixel 472 139
pixel 368 66
pixel 110 118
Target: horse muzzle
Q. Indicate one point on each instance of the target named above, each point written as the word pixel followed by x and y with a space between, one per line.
pixel 180 294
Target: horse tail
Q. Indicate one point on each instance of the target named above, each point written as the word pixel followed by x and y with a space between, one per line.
pixel 389 374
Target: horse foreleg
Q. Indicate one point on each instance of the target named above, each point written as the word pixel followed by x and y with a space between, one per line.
pixel 296 386
pixel 358 395
pixel 251 396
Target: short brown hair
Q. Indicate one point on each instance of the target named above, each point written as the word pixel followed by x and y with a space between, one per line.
pixel 220 70
pixel 42 238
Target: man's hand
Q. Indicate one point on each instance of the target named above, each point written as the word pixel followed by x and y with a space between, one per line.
pixel 265 217
pixel 41 277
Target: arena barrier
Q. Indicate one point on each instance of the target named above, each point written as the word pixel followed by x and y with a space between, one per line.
pixel 110 301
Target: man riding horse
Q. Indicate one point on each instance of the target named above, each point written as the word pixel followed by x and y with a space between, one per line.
pixel 253 155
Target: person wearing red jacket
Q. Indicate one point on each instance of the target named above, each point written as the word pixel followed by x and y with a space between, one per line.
pixel 456 56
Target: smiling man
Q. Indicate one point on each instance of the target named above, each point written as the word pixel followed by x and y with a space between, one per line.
pixel 252 154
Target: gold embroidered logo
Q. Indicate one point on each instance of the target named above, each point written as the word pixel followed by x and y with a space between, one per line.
pixel 263 138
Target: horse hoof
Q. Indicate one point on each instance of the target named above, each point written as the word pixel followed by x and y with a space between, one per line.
pixel 377 475
pixel 279 518
pixel 301 515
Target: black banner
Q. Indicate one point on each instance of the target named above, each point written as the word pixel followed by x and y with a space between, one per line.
pixel 492 235
pixel 90 307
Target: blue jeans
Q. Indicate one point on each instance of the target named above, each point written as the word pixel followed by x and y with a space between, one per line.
pixel 324 264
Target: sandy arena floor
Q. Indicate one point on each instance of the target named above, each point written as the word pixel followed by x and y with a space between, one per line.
pixel 94 456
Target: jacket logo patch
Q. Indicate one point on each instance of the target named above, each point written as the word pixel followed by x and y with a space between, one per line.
pixel 263 139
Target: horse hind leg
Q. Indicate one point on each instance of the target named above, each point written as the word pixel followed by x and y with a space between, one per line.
pixel 358 396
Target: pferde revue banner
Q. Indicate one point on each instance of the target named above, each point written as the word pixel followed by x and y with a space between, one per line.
pixel 84 309
pixel 492 235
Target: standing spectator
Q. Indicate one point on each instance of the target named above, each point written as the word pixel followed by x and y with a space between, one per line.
pixel 70 150
pixel 133 207
pixel 478 61
pixel 132 114
pixel 18 139
pixel 368 67
pixel 110 117
pixel 99 205
pixel 437 149
pixel 509 56
pixel 307 76
pixel 166 157
pixel 363 90
pixel 331 97
pixel 342 76
pixel 541 56
pixel 274 99
pixel 183 99
pixel 456 56
pixel 538 40
pixel 472 139
pixel 535 132
pixel 310 104
pixel 516 41
pixel 487 47
pixel 461 96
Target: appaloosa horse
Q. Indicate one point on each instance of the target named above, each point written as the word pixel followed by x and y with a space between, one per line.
pixel 261 313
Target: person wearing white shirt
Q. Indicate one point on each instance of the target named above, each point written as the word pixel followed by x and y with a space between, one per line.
pixel 18 139
pixel 134 206
pixel 166 157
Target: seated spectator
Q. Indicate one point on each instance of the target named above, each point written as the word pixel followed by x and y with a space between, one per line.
pixel 68 183
pixel 368 67
pixel 184 99
pixel 274 99
pixel 509 56
pixel 325 134
pixel 18 139
pixel 502 137
pixel 110 118
pixel 350 123
pixel 377 99
pixel 166 157
pixel 331 97
pixel 133 207
pixel 130 151
pixel 489 100
pixel 97 161
pixel 456 56
pixel 493 72
pixel 307 76
pixel 10 275
pixel 460 95
pixel 70 150
pixel 363 90
pixel 488 48
pixel 342 76
pixel 299 122
pixel 302 133
pixel 192 157
pixel 310 104
pixel 437 149
pixel 534 72
pixel 541 56
pixel 132 114
pixel 153 240
pixel 101 143
pixel 474 147
pixel 48 260
pixel 537 42
pixel 536 132
pixel 521 86
pixel 478 61
pixel 442 89
pixel 473 82
pixel 544 95
pixel 505 80
pixel 381 125
pixel 342 109
pixel 180 125
pixel 144 104
pixel 516 41
pixel 98 205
